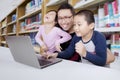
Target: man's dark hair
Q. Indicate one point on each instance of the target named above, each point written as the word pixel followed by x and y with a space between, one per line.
pixel 66 6
pixel 89 15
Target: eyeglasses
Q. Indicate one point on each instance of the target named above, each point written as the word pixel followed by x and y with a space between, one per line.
pixel 65 18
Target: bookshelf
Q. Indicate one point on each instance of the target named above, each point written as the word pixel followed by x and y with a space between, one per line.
pixel 23 20
pixel 112 29
pixel 28 19
pixel 19 21
pixel 3 31
pixel 11 23
pixel 109 23
pixel 52 4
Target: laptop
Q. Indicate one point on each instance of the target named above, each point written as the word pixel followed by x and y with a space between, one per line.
pixel 22 51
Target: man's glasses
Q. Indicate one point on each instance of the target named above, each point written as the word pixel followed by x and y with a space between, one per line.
pixel 65 18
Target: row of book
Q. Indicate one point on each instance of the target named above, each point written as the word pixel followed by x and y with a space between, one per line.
pixel 33 5
pixel 108 14
pixel 14 17
pixel 13 28
pixel 31 23
pixel 32 37
pixel 115 38
pixel 113 42
pixel 115 49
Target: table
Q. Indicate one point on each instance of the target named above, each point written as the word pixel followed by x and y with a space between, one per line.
pixel 65 70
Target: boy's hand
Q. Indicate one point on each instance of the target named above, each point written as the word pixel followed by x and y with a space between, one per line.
pixel 58 47
pixel 80 49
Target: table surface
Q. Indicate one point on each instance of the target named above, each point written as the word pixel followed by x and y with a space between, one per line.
pixel 65 70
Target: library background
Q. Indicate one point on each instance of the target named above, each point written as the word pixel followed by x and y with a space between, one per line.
pixel 28 15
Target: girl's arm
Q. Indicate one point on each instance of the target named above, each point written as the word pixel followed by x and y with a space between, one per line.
pixel 38 36
pixel 64 37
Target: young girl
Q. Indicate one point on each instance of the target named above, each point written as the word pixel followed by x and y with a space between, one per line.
pixel 49 36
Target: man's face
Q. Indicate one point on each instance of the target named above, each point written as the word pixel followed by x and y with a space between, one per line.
pixel 65 19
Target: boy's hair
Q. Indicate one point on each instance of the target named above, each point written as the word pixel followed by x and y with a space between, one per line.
pixel 55 12
pixel 89 15
pixel 66 6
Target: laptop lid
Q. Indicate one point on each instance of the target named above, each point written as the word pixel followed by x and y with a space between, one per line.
pixel 23 52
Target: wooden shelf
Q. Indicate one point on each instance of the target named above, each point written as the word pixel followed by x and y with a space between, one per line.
pixel 31 14
pixel 108 29
pixel 30 31
pixel 3 42
pixel 7 26
pixel 11 33
pixel 3 34
pixel 3 27
pixel 18 17
pixel 83 4
pixel 13 22
pixel 54 2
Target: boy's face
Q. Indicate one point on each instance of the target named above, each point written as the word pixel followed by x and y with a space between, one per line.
pixel 81 27
pixel 65 19
pixel 50 17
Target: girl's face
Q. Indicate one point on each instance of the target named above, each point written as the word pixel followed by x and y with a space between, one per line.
pixel 50 17
pixel 81 27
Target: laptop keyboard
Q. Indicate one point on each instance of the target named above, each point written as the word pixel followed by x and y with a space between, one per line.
pixel 43 62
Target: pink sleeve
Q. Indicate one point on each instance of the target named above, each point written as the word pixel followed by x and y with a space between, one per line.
pixel 38 36
pixel 65 36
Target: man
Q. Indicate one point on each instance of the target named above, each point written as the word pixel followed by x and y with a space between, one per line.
pixel 65 21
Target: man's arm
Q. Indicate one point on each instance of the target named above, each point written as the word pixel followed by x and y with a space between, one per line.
pixel 70 50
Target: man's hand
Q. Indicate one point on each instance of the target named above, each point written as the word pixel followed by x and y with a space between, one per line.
pixel 80 49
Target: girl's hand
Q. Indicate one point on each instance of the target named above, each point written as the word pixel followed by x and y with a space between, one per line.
pixel 44 48
pixel 58 47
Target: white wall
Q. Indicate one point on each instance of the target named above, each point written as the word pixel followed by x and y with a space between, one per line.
pixel 6 6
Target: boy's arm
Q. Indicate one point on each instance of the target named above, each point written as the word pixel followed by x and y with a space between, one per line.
pixel 70 50
pixel 100 49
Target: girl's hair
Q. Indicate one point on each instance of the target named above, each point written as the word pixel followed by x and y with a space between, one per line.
pixel 89 15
